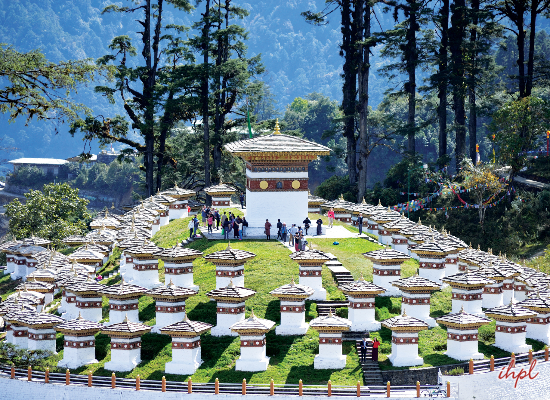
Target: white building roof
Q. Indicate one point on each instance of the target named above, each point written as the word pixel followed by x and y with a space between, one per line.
pixel 39 161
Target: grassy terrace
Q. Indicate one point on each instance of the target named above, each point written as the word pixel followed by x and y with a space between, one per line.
pixel 291 357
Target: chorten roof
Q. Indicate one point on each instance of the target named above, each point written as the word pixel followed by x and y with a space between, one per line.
pixel 43 275
pixel 434 248
pixel 309 255
pixel 40 320
pixel 292 291
pixel 416 284
pixel 231 293
pixel 389 256
pixel 170 291
pixel 179 253
pixel 340 205
pixel 330 323
pixel 35 241
pixel 126 329
pixel 385 216
pixel 252 326
pixel 16 315
pixel 153 205
pixel 510 312
pixel 276 144
pixel 229 256
pixel 29 250
pixel 31 297
pixel 492 272
pixel 123 291
pixel 361 288
pixel 467 280
pixel 79 326
pixel 8 307
pixel 131 241
pixel 312 199
pixel 220 190
pixel 106 221
pixel 404 323
pixel 86 254
pixel 75 240
pixel 162 199
pixel 463 320
pixel 179 193
pixel 86 287
pixel 6 245
pixel 146 250
pixel 36 286
pixel 399 224
pixel 102 236
pixel 186 328
pixel 538 303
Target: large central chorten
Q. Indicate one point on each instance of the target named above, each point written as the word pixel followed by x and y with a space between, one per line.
pixel 276 176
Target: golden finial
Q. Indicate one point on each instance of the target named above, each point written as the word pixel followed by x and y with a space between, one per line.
pixel 361 278
pixel 125 318
pixel 231 284
pixel 252 316
pixel 171 284
pixel 292 282
pixel 341 197
pixel 419 221
pixel 379 202
pixel 462 309
pixel 228 246
pixel 113 206
pixel 308 192
pixel 404 313
pixel 79 316
pixel 363 201
pixel 277 129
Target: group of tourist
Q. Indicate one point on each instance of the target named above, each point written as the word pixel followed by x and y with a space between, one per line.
pixel 212 219
pixel 294 234
pixel 365 344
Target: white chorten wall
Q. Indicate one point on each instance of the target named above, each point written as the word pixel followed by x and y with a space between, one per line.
pixel 471 300
pixel 221 201
pixel 520 291
pixel 146 273
pixel 180 274
pixel 361 313
pixel 10 263
pixel 178 209
pixel 492 296
pixel 293 318
pixel 227 314
pixel 400 243
pixel 404 349
pixel 78 351
pixel 167 313
pixel 463 344
pixel 253 355
pixel 330 352
pixel 225 274
pixel 68 305
pixel 417 305
pixel 119 309
pixel 507 290
pixel 538 328
pixel 432 268
pixel 290 206
pixel 125 354
pixel 383 275
pixel 90 308
pixel 312 276
pixel 384 236
pixel 451 265
pixel 19 336
pixel 510 336
pixel 372 226
pixel 186 356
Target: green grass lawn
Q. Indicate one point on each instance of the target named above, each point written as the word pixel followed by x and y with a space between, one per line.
pixel 291 357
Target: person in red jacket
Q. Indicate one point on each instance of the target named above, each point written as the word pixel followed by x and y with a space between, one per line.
pixel 267 227
pixel 330 216
pixel 375 346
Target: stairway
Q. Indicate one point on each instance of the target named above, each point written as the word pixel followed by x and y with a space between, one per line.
pixel 340 274
pixel 323 307
pixel 371 370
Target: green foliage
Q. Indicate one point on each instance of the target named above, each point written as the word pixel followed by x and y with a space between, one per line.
pixel 455 371
pixel 40 89
pixel 116 177
pixel 517 126
pixel 333 187
pixel 29 176
pixel 13 355
pixel 53 213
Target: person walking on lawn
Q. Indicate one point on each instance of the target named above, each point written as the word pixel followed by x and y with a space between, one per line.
pixel 330 216
pixel 279 227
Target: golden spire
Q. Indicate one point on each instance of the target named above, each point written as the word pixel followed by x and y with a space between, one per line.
pixel 277 129
pixel 379 202
pixel 126 318
pixel 231 284
pixel 462 309
pixel 292 283
pixel 252 315
pixel 363 201
pixel 228 246
pixel 361 278
pixel 341 197
pixel 419 221
pixel 404 313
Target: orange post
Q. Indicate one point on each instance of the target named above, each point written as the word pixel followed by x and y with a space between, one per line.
pixel 271 388
pixel 29 373
pixel 12 373
pixel 164 384
pixel 90 378
pixel 471 367
pixel 448 389
pixel 388 389
pixel 300 388
pixel 47 376
pixel 545 353
pixel 358 389
pixel 138 382
pixel 329 385
pixel 216 386
pixel 530 356
pixel 492 363
pixel 189 386
pixel 113 380
pixel 67 377
pixel 417 389
pixel 244 387
pixel 513 360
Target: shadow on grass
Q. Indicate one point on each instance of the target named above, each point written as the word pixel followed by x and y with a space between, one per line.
pixel 148 313
pixel 308 375
pixel 204 311
pixel 311 311
pixel 273 311
pixel 439 359
pixel 278 347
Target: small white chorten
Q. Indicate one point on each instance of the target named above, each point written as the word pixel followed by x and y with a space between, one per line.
pixel 511 327
pixel 311 268
pixel 330 328
pixel 178 266
pixel 417 293
pixel 404 342
pixel 386 268
pixel 229 265
pixel 123 301
pixel 78 343
pixel 169 304
pixel 293 308
pixel 361 310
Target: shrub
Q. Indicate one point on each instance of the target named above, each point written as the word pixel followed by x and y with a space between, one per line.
pixel 454 371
